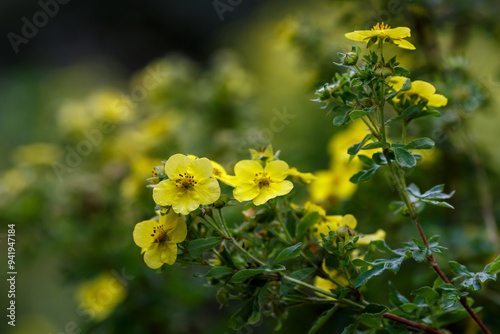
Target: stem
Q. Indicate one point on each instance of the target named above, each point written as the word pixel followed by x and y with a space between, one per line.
pixel 223 223
pixel 411 323
pixel 243 250
pixel 413 215
pixel 323 292
pixel 403 133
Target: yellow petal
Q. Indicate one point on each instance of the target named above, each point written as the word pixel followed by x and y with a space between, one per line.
pixel 245 170
pixel 311 207
pixel 366 239
pixel 152 257
pixel 185 202
pixel 142 233
pixel 246 191
pixel 230 180
pixel 437 100
pixel 422 88
pixel 165 192
pixel 274 189
pixel 397 33
pixel 177 164
pixel 350 221
pixel 206 191
pixel 168 253
pixel 404 44
pixel 218 170
pixel 362 35
pixel 396 82
pixel 277 170
pixel 200 168
pixel 175 226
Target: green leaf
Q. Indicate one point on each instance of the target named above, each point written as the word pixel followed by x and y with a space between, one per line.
pixel 341 119
pixel 429 294
pixel 460 269
pixel 196 247
pixel 382 246
pixel 288 253
pixel 217 271
pixel 396 298
pixel 300 275
pixel 245 274
pixel 418 255
pixel 420 144
pixel 354 149
pixel 438 203
pixel 308 221
pixel 408 113
pixel 355 114
pixel 291 222
pixel 493 267
pixel 365 276
pixel 366 160
pixel 364 175
pixel 322 319
pixel 401 71
pixel 404 158
pixel 378 144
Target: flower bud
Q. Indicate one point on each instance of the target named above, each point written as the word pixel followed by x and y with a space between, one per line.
pixel 366 102
pixel 350 59
pixel 221 202
pixel 344 231
pixel 384 71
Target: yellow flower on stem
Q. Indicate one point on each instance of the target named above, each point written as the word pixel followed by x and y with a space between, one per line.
pixel 304 177
pixel 220 174
pixel 365 239
pixel 382 32
pixel 254 182
pixel 160 239
pixel 422 89
pixel 189 184
pixel 333 223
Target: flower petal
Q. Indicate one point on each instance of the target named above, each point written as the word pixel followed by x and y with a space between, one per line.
pixel 177 164
pixel 246 191
pixel 398 33
pixel 142 233
pixel 165 192
pixel 362 35
pixel 200 168
pixel 274 189
pixel 404 44
pixel 245 170
pixel 437 100
pixel 422 88
pixel 169 253
pixel 349 221
pixel 175 226
pixel 152 257
pixel 185 202
pixel 206 191
pixel 277 170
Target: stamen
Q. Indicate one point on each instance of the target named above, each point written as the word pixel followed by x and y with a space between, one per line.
pixel 381 26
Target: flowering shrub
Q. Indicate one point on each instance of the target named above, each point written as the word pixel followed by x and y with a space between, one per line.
pixel 285 254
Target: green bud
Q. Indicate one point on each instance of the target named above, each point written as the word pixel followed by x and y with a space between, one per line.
pixel 350 59
pixel 345 231
pixel 221 202
pixel 366 102
pixel 384 71
pixel 222 295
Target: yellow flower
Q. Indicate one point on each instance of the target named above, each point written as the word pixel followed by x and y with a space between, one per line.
pixel 367 238
pixel 101 295
pixel 383 31
pixel 423 90
pixel 220 174
pixel 332 223
pixel 189 184
pixel 332 185
pixel 160 239
pixel 304 177
pixel 37 154
pixel 266 154
pixel 253 182
pixel 326 284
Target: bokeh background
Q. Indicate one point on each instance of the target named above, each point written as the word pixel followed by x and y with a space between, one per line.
pixel 102 91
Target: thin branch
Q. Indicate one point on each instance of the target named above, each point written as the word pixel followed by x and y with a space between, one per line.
pixel 411 323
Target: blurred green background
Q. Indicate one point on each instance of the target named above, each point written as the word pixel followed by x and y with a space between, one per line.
pixel 104 91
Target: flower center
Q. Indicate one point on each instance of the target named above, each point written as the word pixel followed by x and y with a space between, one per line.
pixel 160 235
pixel 262 179
pixel 185 181
pixel 217 172
pixel 381 26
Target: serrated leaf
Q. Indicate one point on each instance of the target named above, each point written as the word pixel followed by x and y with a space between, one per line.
pixel 196 247
pixel 364 175
pixel 420 144
pixel 429 294
pixel 365 276
pixel 288 253
pixel 459 269
pixel 396 298
pixel 354 149
pixel 405 158
pixel 322 319
pixel 378 144
pixel 245 274
pixel 493 267
pixel 306 222
pixel 216 272
pixel 355 114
